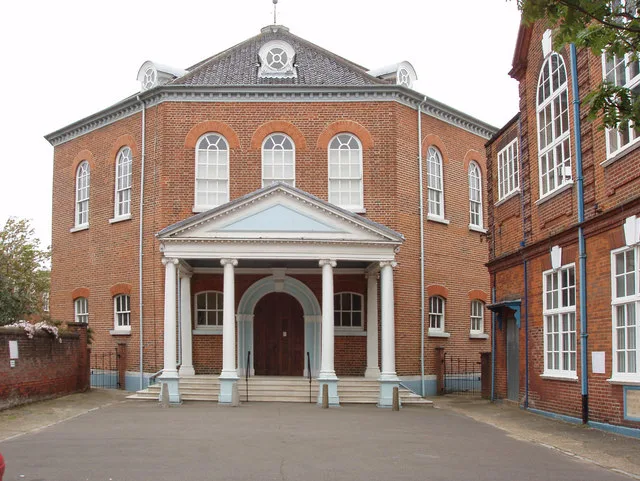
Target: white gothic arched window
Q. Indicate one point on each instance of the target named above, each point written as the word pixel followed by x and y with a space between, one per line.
pixel 278 160
pixel 345 171
pixel 434 183
pixel 212 171
pixel 82 194
pixel 554 151
pixel 475 195
pixel 124 163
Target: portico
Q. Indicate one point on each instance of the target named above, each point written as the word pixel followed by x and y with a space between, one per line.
pixel 287 240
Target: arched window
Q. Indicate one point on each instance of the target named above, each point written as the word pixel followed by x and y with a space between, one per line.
pixel 477 317
pixel 345 171
pixel 82 195
pixel 554 151
pixel 81 307
pixel 212 171
pixel 475 195
pixel 122 312
pixel 123 183
pixel 434 183
pixel 209 309
pixel 278 160
pixel 436 314
pixel 347 310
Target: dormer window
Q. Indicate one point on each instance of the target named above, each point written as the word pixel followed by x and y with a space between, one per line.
pixel 149 79
pixel 404 78
pixel 276 60
pixel 152 74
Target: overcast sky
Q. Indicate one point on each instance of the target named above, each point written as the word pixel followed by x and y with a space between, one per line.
pixel 67 59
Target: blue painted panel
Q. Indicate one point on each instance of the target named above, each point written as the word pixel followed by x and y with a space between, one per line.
pixel 624 397
pixel 278 218
pixel 430 386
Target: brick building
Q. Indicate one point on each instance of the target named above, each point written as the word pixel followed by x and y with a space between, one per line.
pixel 562 345
pixel 268 200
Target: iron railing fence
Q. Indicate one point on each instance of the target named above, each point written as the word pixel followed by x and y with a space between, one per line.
pixel 105 370
pixel 462 376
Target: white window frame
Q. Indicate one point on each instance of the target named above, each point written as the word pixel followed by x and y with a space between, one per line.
pixel 220 165
pixel 437 313
pixel 123 183
pixel 618 140
pixel 45 302
pixel 555 156
pixel 563 342
pixel 122 313
pixel 81 310
pixel 508 170
pixel 270 180
pixel 83 193
pixel 435 183
pixel 629 299
pixel 338 311
pixel 345 157
pixel 475 205
pixel 477 317
pixel 217 311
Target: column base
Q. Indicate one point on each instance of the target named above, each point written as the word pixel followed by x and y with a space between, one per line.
pixel 372 372
pixel 228 390
pixel 387 383
pixel 187 371
pixel 172 384
pixel 332 387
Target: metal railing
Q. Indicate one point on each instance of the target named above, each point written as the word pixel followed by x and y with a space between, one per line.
pixel 104 370
pixel 309 372
pixel 461 376
pixel 246 374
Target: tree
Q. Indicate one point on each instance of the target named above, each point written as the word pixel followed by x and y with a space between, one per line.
pixel 609 26
pixel 24 278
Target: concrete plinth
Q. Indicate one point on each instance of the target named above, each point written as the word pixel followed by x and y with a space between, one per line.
pixel 172 385
pixel 386 392
pixel 332 386
pixel 228 391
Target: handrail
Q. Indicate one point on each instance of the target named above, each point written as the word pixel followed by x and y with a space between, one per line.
pixel 309 371
pixel 246 373
pixel 154 376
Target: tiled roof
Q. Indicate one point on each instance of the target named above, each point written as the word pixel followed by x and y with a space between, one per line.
pixel 238 66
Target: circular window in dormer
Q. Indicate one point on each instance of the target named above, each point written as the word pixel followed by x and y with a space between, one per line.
pixel 149 79
pixel 404 78
pixel 277 58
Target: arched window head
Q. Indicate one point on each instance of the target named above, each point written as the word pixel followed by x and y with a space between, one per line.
pixel 82 194
pixel 434 183
pixel 212 172
pixel 278 160
pixel 554 151
pixel 436 314
pixel 475 195
pixel 345 171
pixel 124 163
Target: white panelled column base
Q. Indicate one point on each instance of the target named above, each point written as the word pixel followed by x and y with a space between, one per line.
pixel 229 375
pixel 388 377
pixel 327 376
pixel 169 377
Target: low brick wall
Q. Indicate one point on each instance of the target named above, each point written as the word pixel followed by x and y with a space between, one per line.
pixel 45 367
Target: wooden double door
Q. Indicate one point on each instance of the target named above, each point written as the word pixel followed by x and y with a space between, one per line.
pixel 278 336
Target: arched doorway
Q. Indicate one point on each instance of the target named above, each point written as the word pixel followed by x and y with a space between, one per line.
pixel 278 336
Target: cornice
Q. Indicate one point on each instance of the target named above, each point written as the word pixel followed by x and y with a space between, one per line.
pixel 271 93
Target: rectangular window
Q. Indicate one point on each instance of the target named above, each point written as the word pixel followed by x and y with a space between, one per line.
pixel 347 310
pixel 625 304
pixel 477 317
pixel 209 309
pixel 122 312
pixel 508 170
pixel 436 314
pixel 81 305
pixel 559 304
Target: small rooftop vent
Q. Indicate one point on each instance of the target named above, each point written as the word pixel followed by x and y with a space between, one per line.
pixel 401 73
pixel 152 74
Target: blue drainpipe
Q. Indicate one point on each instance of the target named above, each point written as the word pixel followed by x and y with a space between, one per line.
pixel 581 244
pixel 523 244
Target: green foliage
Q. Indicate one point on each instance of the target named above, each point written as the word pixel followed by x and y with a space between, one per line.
pixel 23 276
pixel 606 26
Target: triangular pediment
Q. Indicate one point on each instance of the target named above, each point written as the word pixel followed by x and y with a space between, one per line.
pixel 280 213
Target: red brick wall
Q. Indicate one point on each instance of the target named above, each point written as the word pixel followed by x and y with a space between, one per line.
pixel 45 367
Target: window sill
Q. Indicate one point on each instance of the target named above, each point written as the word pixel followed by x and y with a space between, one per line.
pixel 555 193
pixel 510 195
pixel 79 228
pixel 120 218
pixel 210 331
pixel 478 335
pixel 560 377
pixel 475 228
pixel 349 332
pixel 433 333
pixel 197 209
pixel 440 220
pixel 120 332
pixel 623 382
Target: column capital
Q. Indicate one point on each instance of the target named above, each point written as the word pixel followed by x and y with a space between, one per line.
pixel 170 260
pixel 185 274
pixel 391 264
pixel 233 262
pixel 327 262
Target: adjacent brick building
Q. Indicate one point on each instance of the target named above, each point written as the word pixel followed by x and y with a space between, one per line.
pixel 534 203
pixel 280 171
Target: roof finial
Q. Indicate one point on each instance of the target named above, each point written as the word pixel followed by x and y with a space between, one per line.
pixel 275 5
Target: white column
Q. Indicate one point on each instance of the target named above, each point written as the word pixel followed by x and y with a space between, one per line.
pixel 229 374
pixel 169 375
pixel 388 377
pixel 186 368
pixel 327 373
pixel 373 368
